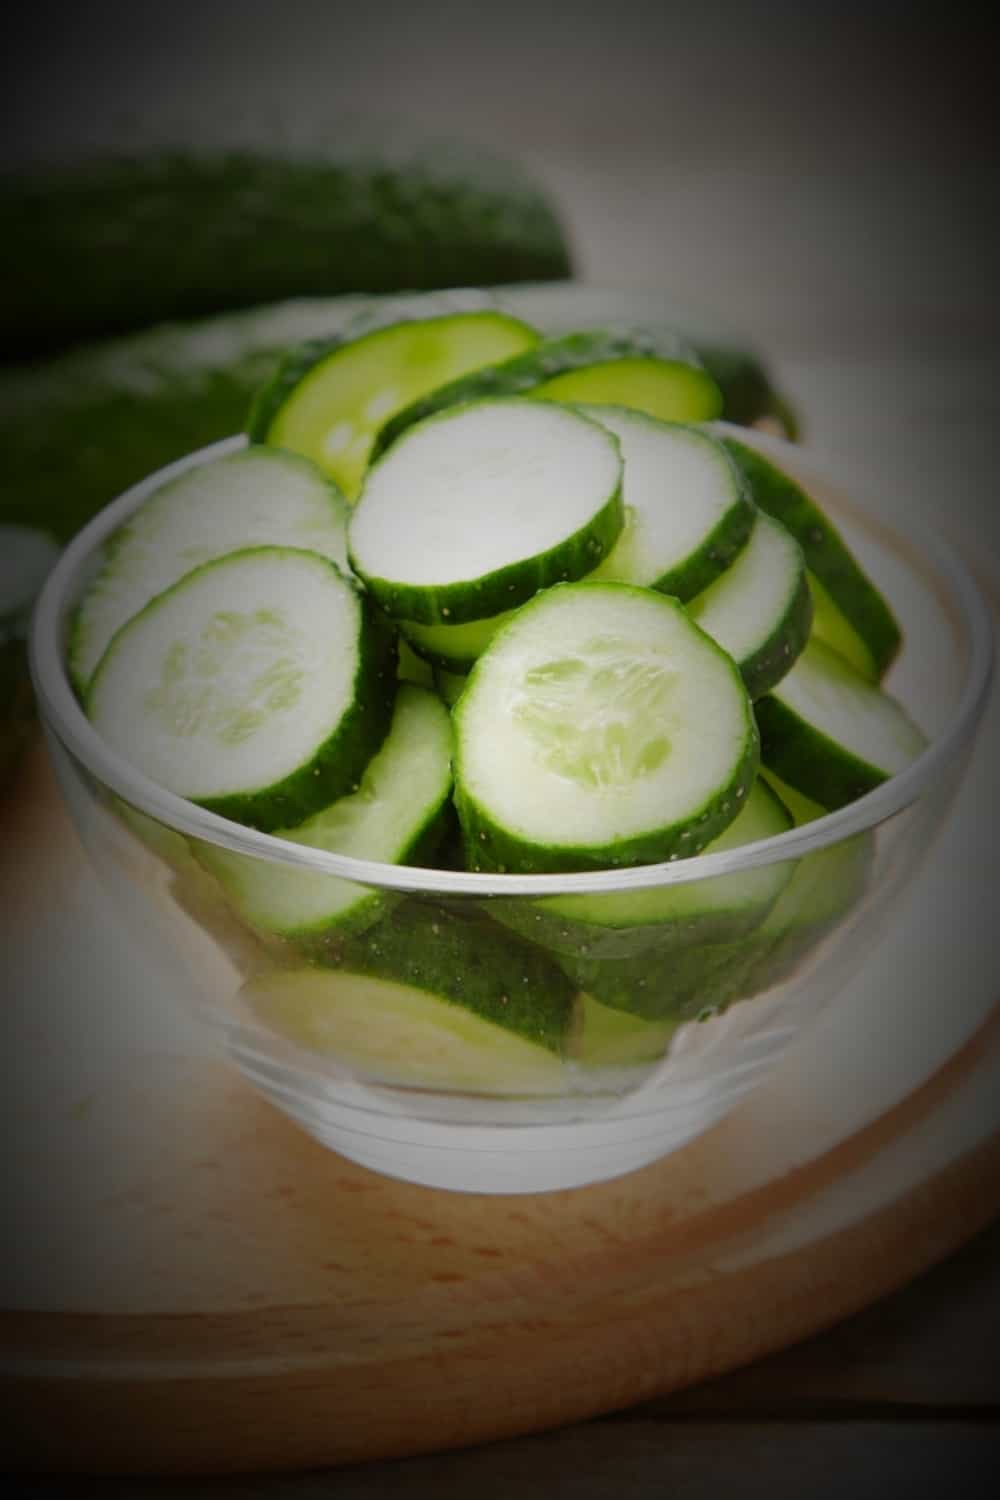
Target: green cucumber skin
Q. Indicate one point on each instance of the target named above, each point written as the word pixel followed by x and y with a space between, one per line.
pixel 824 551
pixel 301 359
pixel 115 243
pixel 723 544
pixel 510 586
pixel 809 760
pixel 465 959
pixel 343 758
pixel 520 375
pixel 767 666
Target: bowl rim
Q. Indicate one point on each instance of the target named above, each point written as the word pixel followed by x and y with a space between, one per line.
pixel 63 717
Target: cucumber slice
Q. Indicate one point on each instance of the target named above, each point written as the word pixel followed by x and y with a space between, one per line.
pixel 760 609
pixel 671 389
pixel 259 686
pixel 454 647
pixel 608 1037
pixel 525 374
pixel 401 1034
pixel 431 996
pixel 830 733
pixel 601 727
pixel 625 924
pixel 396 811
pixel 826 555
pixel 831 625
pixel 330 397
pixel 687 507
pixel 258 497
pixel 482 506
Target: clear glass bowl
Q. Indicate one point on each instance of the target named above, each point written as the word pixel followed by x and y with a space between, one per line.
pixel 434 1100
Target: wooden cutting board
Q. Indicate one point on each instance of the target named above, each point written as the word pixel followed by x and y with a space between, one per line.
pixel 191 1284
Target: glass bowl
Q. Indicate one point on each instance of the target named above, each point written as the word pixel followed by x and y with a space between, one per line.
pixel 438 1095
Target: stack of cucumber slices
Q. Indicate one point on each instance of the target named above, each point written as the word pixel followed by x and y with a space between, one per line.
pixel 504 603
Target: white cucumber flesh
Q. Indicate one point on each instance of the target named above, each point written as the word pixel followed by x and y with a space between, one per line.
pixel 258 497
pixel 687 507
pixel 475 509
pixel 830 733
pixel 760 609
pixel 601 727
pixel 258 686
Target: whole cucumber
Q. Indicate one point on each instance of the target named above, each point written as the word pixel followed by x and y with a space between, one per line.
pixel 112 243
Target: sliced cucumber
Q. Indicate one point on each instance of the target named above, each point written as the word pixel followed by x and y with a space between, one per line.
pixel 395 813
pixel 831 625
pixel 453 647
pixel 482 506
pixel 608 1038
pixel 827 557
pixel 525 374
pixel 830 733
pixel 601 727
pixel 671 389
pixel 259 686
pixel 258 497
pixel 760 609
pixel 624 924
pixel 687 506
pixel 330 397
pixel 402 1034
pixel 430 995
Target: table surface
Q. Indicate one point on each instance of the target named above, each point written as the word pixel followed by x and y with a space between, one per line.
pixel 852 247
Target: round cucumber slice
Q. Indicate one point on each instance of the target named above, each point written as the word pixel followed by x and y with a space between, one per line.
pixel 525 374
pixel 259 686
pixel 671 389
pixel 760 609
pixel 480 507
pixel 396 811
pixel 601 727
pixel 831 734
pixel 687 507
pixel 827 557
pixel 258 497
pixel 329 398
